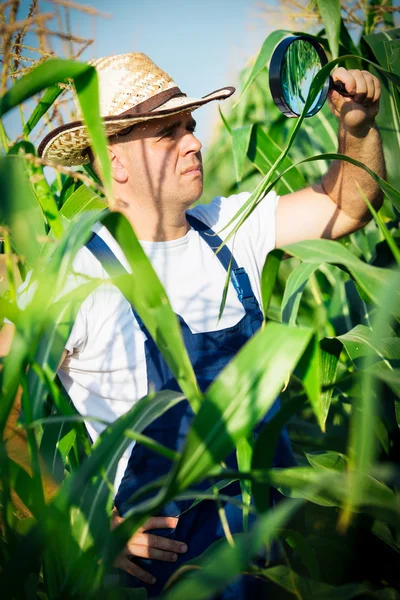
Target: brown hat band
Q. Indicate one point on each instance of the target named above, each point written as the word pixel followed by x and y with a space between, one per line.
pixel 152 103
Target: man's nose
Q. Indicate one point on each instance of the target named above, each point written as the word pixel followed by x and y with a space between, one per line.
pixel 190 143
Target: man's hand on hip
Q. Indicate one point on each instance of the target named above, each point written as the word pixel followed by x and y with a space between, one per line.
pixel 148 545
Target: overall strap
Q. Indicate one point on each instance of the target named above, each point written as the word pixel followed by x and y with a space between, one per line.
pixel 112 267
pixel 239 277
pixel 105 256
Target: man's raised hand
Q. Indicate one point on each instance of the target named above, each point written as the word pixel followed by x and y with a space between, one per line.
pixel 357 112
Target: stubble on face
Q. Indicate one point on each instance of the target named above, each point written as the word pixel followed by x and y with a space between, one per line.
pixel 164 162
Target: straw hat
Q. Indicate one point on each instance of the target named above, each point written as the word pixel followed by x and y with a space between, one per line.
pixel 132 89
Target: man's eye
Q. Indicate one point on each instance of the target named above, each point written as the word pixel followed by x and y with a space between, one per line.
pixel 167 134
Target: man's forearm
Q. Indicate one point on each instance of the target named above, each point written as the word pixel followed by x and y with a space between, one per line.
pixel 340 182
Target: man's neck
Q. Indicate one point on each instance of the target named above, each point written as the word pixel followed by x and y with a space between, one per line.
pixel 151 224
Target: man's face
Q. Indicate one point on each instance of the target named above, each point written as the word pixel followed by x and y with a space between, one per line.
pixel 163 161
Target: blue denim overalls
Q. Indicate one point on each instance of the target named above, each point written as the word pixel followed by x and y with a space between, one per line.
pixel 209 353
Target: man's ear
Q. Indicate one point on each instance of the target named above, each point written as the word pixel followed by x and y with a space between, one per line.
pixel 119 173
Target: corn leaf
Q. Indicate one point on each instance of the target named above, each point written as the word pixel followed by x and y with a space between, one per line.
pixel 330 13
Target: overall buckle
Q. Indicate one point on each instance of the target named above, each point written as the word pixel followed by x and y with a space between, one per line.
pixel 241 283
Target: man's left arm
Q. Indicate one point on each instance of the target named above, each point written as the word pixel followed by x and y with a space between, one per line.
pixel 335 207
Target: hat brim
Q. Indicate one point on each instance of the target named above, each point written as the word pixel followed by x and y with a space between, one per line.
pixel 67 145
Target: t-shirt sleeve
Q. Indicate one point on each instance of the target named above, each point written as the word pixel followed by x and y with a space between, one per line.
pixel 259 229
pixel 77 338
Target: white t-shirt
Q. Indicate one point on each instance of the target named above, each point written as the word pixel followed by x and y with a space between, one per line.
pixel 104 372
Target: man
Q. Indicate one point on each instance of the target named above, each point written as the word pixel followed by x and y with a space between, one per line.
pixel 110 361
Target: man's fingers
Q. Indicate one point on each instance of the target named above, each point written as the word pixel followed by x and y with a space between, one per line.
pixel 361 86
pixel 156 541
pixel 377 85
pixel 370 82
pixel 346 77
pixel 133 569
pixel 153 553
pixel 159 523
pixel 364 87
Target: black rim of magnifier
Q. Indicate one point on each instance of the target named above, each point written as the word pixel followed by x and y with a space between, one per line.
pixel 275 71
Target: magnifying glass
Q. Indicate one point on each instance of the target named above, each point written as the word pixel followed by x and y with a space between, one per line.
pixel 295 62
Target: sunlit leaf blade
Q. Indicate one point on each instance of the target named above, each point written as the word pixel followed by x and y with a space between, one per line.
pixel 308 370
pixel 370 279
pixel 45 102
pixel 91 495
pixel 269 276
pixel 295 285
pixel 19 209
pixel 251 381
pixel 56 70
pixel 240 144
pixel 361 342
pixel 82 199
pixel 330 13
pixel 362 444
pixel 145 292
pixel 382 227
pixel 40 185
pixel 330 352
pixel 263 57
pixel 263 152
pixel 388 118
pixel 244 453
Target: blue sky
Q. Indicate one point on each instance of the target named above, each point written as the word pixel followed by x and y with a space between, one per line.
pixel 202 45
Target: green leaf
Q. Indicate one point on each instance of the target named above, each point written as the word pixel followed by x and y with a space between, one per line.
pixel 244 454
pixel 295 285
pixel 206 577
pixel 263 58
pixel 239 397
pixel 388 118
pixel 329 358
pixel 303 587
pixel 390 377
pixel 327 460
pixel 330 13
pixel 265 185
pixel 263 151
pixel 269 276
pixel 382 227
pixel 48 98
pixel 42 189
pixel 19 209
pixel 145 292
pixel 362 446
pixel 240 144
pixel 308 370
pixel 302 546
pixel 56 70
pixel 361 342
pixel 83 199
pixel 91 495
pixel 370 279
pixel 265 448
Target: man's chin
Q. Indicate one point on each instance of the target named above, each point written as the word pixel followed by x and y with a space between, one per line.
pixel 192 198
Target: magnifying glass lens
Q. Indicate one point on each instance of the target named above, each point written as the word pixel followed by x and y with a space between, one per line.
pixel 300 65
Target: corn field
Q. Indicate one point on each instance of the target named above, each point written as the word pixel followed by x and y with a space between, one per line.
pixel 329 347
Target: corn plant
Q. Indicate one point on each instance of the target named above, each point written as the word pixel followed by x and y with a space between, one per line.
pixel 330 341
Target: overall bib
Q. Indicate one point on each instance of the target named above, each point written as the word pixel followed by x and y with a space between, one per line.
pixel 209 353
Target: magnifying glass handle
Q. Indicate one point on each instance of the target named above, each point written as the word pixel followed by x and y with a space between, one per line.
pixel 339 87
